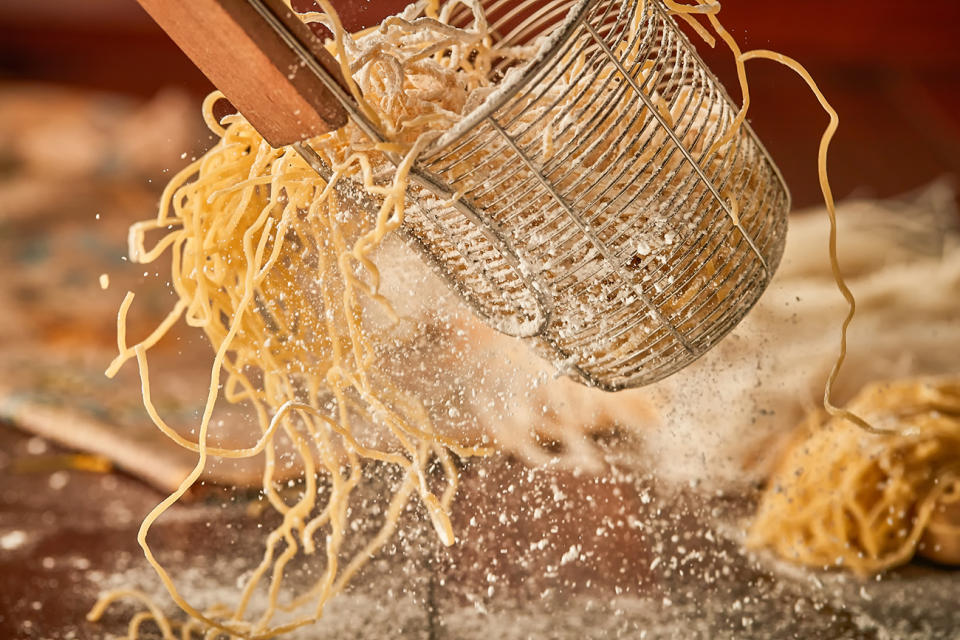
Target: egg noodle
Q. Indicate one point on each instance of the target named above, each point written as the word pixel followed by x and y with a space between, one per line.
pixel 277 267
pixel 711 9
pixel 845 498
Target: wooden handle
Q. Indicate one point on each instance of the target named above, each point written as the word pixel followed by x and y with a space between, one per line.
pixel 253 67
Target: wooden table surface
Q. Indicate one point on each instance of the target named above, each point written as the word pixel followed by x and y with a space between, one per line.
pixel 618 556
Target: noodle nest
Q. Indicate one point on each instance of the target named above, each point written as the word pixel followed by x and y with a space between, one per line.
pixel 844 497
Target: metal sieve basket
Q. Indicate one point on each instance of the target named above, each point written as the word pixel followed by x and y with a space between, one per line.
pixel 587 207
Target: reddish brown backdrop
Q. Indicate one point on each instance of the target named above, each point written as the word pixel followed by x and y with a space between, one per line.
pixel 891 69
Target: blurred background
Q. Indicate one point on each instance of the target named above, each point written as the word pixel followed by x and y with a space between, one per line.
pixel 892 72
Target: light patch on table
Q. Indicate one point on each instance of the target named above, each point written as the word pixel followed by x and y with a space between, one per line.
pixel 13 540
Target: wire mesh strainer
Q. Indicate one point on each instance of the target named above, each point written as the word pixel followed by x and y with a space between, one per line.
pixel 585 205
